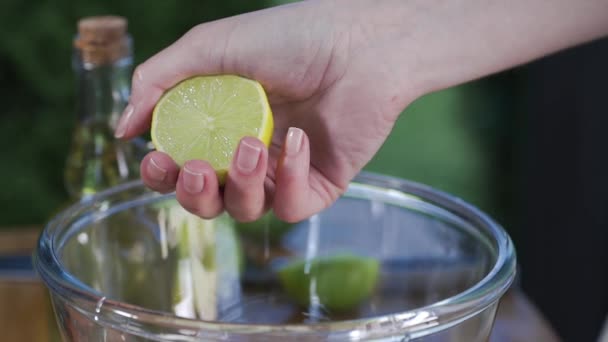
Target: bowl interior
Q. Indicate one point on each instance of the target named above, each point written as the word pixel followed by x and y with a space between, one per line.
pixel 375 252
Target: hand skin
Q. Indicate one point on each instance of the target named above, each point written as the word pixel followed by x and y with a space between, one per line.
pixel 338 73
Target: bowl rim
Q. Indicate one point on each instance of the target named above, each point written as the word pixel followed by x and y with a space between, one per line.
pixel 412 323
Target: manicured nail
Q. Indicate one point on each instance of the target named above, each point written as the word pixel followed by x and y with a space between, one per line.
pixel 193 181
pixel 247 157
pixel 156 172
pixel 123 123
pixel 293 141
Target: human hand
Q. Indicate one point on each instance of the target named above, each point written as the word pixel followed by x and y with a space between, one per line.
pixel 333 107
pixel 338 73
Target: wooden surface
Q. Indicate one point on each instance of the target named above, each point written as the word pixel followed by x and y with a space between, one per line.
pixel 518 320
pixel 25 311
pixel 18 241
pixel 26 314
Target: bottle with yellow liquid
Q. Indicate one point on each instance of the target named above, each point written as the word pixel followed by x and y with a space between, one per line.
pixel 102 63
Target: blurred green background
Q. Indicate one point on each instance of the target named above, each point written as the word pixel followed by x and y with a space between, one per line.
pixel 520 145
pixel 451 140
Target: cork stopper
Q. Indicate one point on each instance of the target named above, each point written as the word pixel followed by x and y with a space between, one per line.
pixel 102 39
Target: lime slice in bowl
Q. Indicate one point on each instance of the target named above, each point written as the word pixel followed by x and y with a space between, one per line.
pixel 339 283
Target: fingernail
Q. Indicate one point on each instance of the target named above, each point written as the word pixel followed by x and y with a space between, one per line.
pixel 293 141
pixel 247 157
pixel 123 123
pixel 156 172
pixel 193 181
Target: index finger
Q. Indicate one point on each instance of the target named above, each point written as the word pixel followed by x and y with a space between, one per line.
pixel 193 54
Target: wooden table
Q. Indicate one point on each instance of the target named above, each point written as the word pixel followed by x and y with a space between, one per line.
pixel 518 320
pixel 26 314
pixel 25 308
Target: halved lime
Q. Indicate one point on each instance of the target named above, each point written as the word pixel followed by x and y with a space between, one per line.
pixel 205 117
pixel 338 283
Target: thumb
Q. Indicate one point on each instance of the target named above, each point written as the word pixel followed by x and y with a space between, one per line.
pixel 199 52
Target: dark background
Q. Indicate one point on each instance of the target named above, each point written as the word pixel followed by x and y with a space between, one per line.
pixel 563 195
pixel 528 146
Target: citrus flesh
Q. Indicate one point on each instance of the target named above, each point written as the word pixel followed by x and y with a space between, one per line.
pixel 205 117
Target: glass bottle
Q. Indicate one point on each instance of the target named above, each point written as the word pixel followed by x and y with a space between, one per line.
pixel 102 63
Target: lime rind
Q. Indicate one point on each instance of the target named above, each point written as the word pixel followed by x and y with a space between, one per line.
pixel 338 283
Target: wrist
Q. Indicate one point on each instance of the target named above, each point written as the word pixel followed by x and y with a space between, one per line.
pixel 384 36
pixel 430 45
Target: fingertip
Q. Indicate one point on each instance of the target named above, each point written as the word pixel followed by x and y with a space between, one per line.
pixel 288 217
pixel 197 189
pixel 159 172
pixel 250 158
pixel 123 123
pixel 137 116
pixel 245 185
pixel 165 69
pixel 292 195
pixel 294 162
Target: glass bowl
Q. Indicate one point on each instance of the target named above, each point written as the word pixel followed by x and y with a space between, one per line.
pixel 391 260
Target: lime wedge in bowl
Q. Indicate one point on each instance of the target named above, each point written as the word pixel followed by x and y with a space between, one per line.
pixel 338 283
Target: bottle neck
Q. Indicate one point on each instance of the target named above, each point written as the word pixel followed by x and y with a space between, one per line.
pixel 102 86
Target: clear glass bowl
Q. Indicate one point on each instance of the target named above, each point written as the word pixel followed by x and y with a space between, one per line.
pixel 391 260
